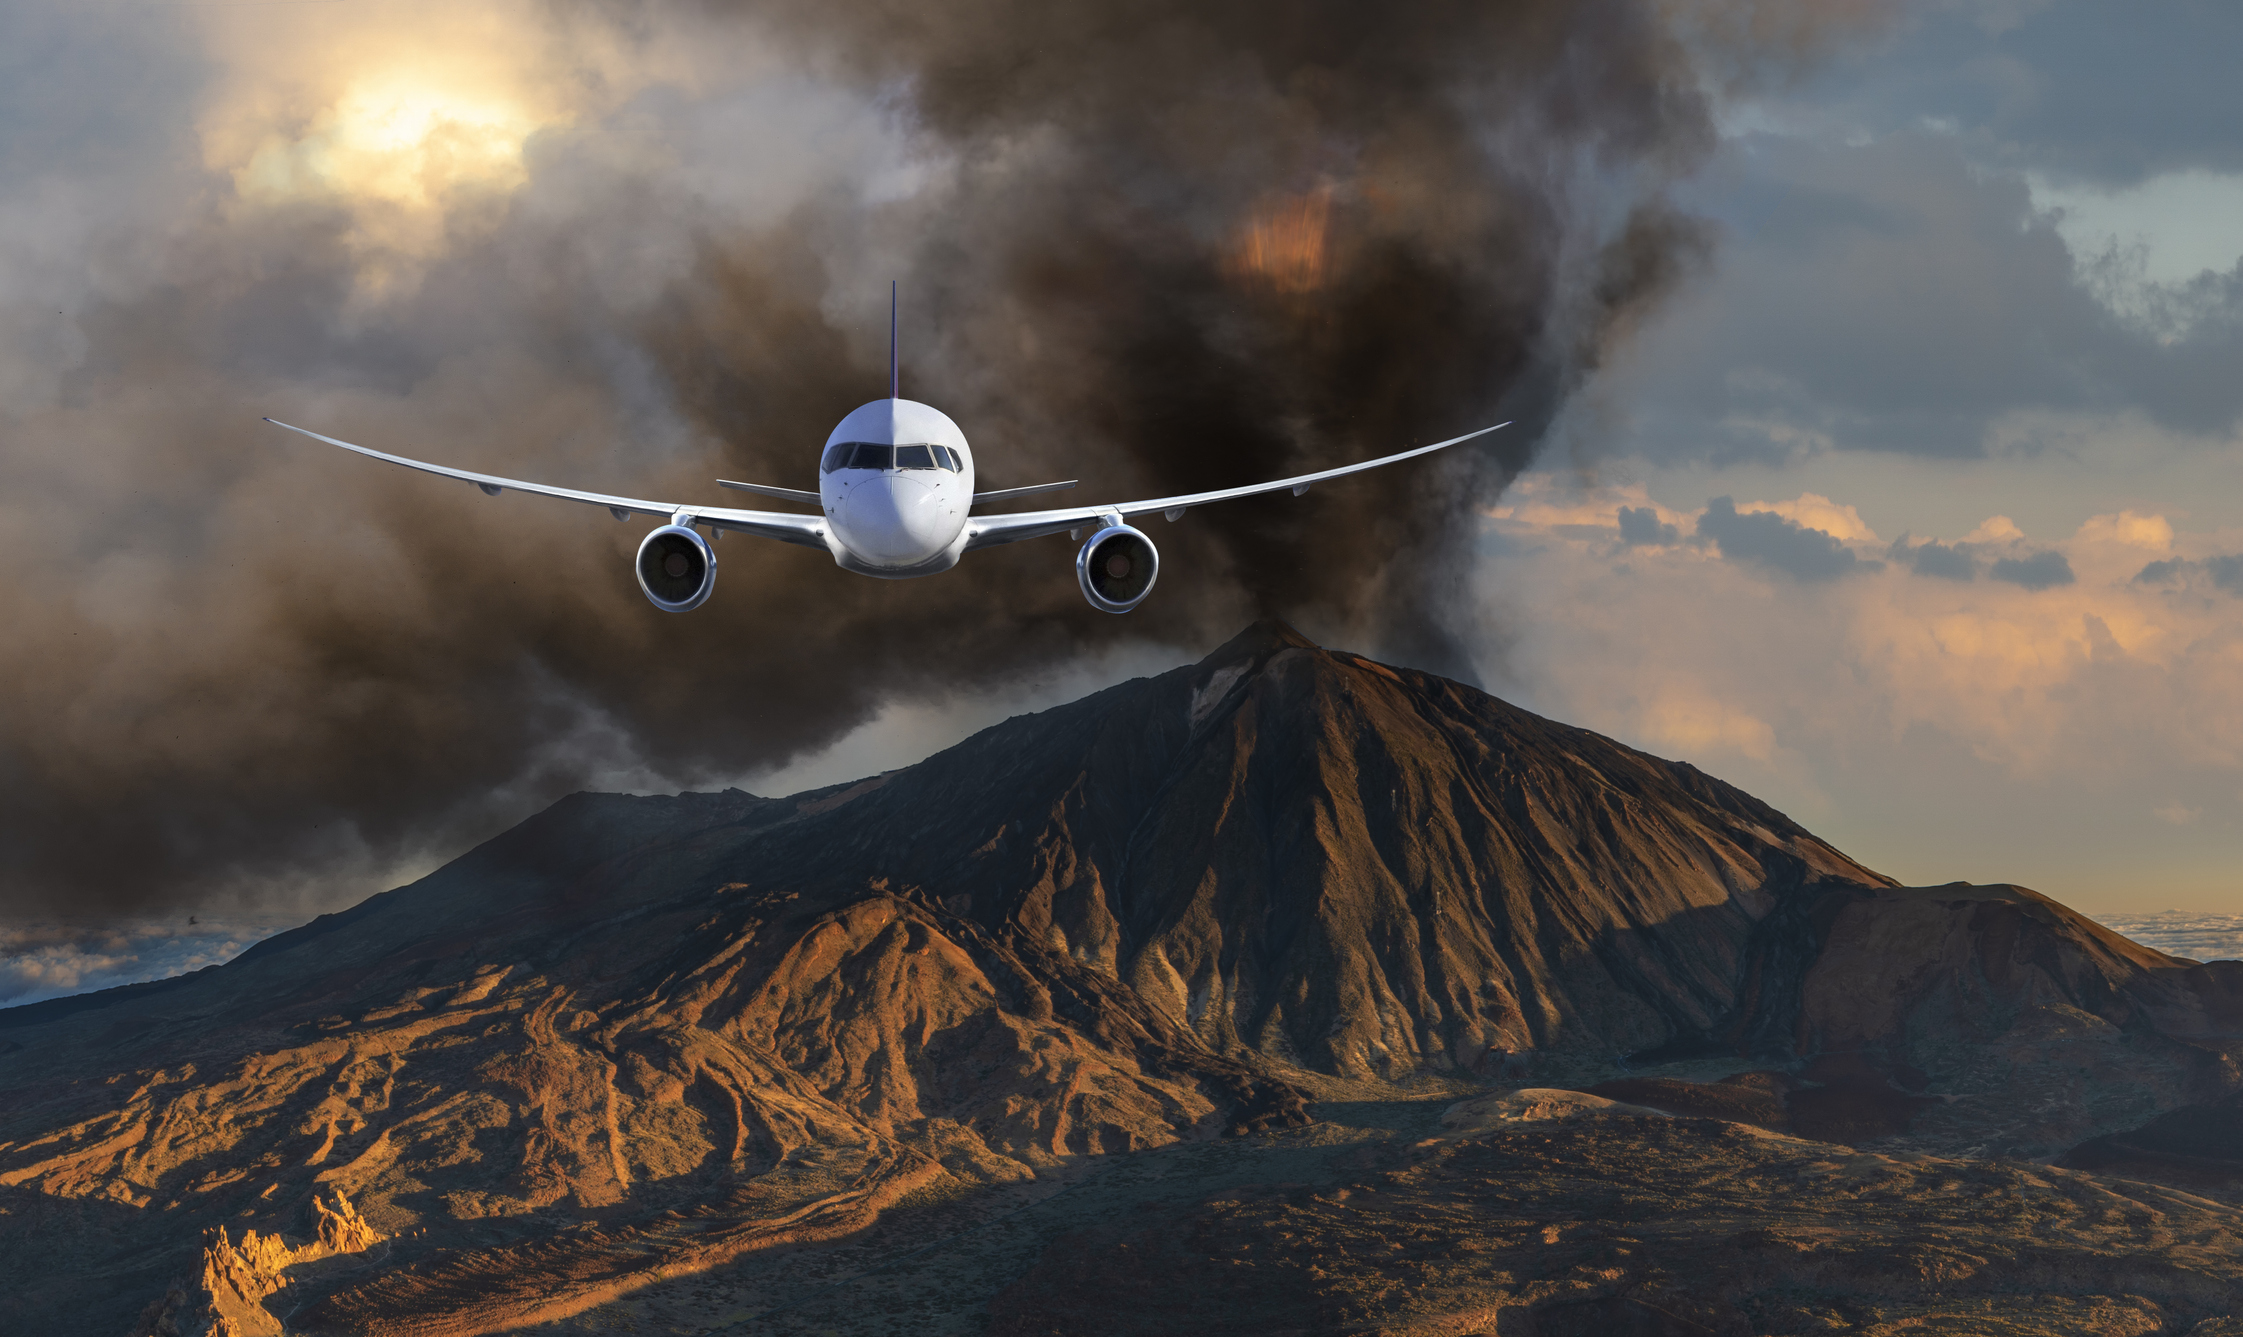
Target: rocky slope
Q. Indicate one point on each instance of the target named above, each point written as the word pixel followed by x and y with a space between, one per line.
pixel 1590 1223
pixel 641 1039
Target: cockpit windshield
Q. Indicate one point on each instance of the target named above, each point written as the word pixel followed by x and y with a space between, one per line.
pixel 859 455
pixel 875 455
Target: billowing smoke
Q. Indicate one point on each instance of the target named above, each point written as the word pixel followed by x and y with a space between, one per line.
pixel 1158 246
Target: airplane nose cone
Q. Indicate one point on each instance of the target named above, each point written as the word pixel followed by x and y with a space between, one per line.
pixel 896 519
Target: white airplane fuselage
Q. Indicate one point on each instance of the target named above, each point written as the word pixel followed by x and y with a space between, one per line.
pixel 896 481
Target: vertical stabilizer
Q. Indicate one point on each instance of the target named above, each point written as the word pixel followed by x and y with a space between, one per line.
pixel 892 381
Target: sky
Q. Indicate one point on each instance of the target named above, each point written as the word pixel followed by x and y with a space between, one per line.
pixel 1875 366
pixel 1917 514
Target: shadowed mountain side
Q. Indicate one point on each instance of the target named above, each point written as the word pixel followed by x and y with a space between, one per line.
pixel 2035 1026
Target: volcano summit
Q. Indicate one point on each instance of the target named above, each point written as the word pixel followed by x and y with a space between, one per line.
pixel 1242 995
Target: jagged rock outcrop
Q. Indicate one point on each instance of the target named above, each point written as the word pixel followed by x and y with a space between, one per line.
pixel 637 1037
pixel 227 1298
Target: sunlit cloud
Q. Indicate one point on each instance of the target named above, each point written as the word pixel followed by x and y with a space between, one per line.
pixel 399 142
pixel 1994 529
pixel 1816 689
pixel 1696 722
pixel 418 132
pixel 1812 511
pixel 2151 532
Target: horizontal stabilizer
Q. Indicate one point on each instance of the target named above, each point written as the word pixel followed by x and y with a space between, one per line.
pixel 766 490
pixel 1007 493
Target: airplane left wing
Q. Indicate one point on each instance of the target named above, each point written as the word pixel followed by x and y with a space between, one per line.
pixel 807 530
pixel 988 531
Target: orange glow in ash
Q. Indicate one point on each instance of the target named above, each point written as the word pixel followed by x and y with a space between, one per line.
pixel 1284 245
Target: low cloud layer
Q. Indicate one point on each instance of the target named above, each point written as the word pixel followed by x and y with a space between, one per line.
pixel 41 960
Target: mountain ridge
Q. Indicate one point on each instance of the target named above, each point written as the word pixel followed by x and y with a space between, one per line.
pixel 642 1037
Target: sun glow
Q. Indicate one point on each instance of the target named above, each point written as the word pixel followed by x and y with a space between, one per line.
pixel 394 142
pixel 413 133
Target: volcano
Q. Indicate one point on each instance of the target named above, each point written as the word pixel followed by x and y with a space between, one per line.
pixel 678 1050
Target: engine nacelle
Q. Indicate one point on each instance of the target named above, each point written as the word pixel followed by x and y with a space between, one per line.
pixel 1117 569
pixel 677 568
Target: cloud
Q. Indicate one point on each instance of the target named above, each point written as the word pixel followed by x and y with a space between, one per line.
pixel 1881 296
pixel 636 250
pixel 2130 529
pixel 1937 560
pixel 50 959
pixel 2113 96
pixel 1641 526
pixel 2199 937
pixel 2036 678
pixel 1906 266
pixel 2225 571
pixel 1768 540
pixel 1812 510
pixel 1936 728
pixel 1994 529
pixel 2040 571
pixel 1691 723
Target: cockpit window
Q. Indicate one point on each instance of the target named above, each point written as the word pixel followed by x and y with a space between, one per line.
pixel 859 455
pixel 875 455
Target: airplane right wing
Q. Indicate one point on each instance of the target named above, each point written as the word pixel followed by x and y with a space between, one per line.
pixel 988 531
pixel 807 530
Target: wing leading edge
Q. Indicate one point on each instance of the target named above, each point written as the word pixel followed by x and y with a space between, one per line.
pixel 807 530
pixel 988 531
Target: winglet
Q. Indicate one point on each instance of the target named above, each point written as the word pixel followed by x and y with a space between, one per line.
pixel 893 383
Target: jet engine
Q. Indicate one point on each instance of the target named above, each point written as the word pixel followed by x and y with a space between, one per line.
pixel 1117 568
pixel 677 568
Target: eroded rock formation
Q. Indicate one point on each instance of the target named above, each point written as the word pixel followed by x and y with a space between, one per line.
pixel 227 1298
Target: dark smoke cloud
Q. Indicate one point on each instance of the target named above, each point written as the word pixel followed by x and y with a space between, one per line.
pixel 1157 246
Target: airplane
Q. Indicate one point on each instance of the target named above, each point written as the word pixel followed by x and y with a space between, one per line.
pixel 895 497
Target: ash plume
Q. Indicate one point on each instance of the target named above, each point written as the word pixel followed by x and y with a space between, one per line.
pixel 1156 246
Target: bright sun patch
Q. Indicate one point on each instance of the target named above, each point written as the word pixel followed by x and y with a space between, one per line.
pixel 394 142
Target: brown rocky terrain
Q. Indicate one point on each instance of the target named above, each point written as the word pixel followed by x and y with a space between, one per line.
pixel 660 1060
pixel 1598 1223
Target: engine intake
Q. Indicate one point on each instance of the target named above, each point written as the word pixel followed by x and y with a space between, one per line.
pixel 1117 569
pixel 677 568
